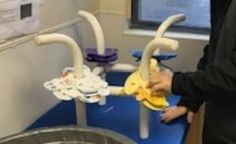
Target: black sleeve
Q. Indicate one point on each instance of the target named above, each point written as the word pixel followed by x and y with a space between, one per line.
pixel 193 104
pixel 216 80
pixel 203 61
pixel 190 103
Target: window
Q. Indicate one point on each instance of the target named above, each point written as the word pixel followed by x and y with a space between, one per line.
pixel 149 14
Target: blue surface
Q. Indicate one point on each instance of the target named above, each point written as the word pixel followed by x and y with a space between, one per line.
pixel 160 57
pixel 120 114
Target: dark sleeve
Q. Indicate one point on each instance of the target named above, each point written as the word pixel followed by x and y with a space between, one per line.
pixel 216 80
pixel 193 104
pixel 190 103
pixel 203 61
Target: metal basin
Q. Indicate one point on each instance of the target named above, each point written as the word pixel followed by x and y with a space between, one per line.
pixel 68 135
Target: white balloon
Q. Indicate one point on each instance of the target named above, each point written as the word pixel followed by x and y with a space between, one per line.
pixel 61 96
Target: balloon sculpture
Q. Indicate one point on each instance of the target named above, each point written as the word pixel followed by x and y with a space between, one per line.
pixel 86 86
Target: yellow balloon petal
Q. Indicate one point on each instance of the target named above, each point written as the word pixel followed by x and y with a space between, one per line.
pixel 141 81
pixel 134 80
pixel 157 100
pixel 136 85
pixel 132 83
pixel 141 94
pixel 152 107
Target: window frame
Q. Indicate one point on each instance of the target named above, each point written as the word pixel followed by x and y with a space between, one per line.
pixel 137 23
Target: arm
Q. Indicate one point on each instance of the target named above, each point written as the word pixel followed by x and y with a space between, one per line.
pixel 191 103
pixel 203 61
pixel 186 105
pixel 217 79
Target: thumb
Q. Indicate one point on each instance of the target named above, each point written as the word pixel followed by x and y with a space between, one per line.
pixel 190 117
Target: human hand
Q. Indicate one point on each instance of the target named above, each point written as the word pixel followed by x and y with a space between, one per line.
pixel 161 81
pixel 172 113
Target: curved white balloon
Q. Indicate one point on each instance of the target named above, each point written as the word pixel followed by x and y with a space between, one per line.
pixel 167 23
pixel 78 82
pixel 159 42
pixel 97 30
pixel 70 43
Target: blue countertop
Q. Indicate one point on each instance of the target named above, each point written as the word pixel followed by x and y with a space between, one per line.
pixel 120 114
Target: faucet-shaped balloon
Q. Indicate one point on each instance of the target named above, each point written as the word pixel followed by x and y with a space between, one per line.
pixel 159 42
pixel 96 29
pixel 69 43
pixel 78 82
pixel 100 55
pixel 136 82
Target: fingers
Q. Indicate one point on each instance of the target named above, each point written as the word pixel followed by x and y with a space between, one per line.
pixel 172 113
pixel 157 88
pixel 153 80
pixel 190 117
pixel 160 82
pixel 166 118
pixel 149 85
pixel 169 114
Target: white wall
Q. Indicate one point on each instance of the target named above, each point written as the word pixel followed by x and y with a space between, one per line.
pixel 54 12
pixel 26 67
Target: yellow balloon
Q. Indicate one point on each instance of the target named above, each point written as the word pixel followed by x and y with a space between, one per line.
pixel 152 107
pixel 131 84
pixel 137 86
